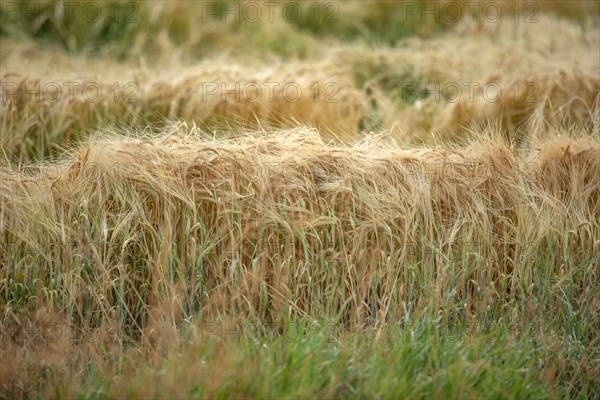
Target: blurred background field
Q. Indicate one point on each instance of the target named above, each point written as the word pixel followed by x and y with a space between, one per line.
pixel 297 199
pixel 411 68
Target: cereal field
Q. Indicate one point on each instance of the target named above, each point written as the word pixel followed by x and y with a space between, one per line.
pixel 309 199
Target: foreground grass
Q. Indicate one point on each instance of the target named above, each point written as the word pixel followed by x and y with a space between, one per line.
pixel 155 246
pixel 421 363
pixel 305 359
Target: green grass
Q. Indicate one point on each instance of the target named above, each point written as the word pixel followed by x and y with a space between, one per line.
pixel 425 360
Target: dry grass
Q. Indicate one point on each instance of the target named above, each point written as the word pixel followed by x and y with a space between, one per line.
pixel 132 237
pixel 535 76
pixel 530 106
pixel 127 228
pixel 254 214
pixel 311 95
pixel 42 116
pixel 546 71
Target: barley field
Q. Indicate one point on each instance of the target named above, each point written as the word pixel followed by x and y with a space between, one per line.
pixel 311 199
